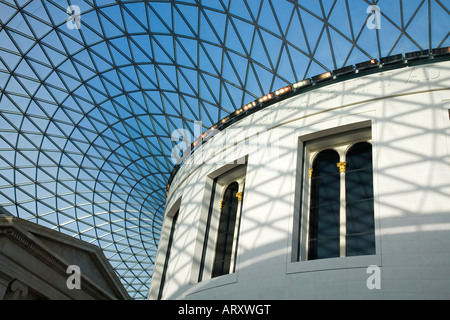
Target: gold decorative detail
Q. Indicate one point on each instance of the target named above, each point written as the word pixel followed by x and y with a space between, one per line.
pixel 221 204
pixel 310 172
pixel 342 166
pixel 239 196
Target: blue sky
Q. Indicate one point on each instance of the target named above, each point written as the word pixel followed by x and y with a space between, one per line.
pixel 86 114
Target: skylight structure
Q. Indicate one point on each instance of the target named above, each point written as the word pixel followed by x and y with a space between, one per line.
pixel 91 93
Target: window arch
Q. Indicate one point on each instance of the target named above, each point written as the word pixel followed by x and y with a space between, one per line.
pixel 226 231
pixel 167 258
pixel 340 199
pixel 360 235
pixel 219 248
pixel 324 226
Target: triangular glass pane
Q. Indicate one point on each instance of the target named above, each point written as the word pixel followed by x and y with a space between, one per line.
pixel 110 29
pixel 7 12
pixel 340 21
pixel 254 8
pixel 406 45
pixel 341 48
pixel 163 49
pixel 53 41
pixel 410 7
pixel 132 22
pixel 160 17
pixel 285 69
pixel 145 78
pixel 312 6
pixel 233 41
pixel 141 49
pixel 184 85
pixel 274 47
pixel 295 35
pixel 22 43
pixel 55 57
pixel 265 77
pixel 267 19
pixel 328 5
pixel 72 44
pixel 190 13
pixel 314 29
pixel 284 11
pixel 359 16
pixel 439 24
pixel 210 59
pixel 91 34
pixel 245 31
pixel 259 52
pixel 180 25
pixel 30 85
pixel 17 23
pixel 230 69
pixel 368 43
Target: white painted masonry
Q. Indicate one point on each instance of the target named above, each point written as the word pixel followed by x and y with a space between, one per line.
pixel 407 110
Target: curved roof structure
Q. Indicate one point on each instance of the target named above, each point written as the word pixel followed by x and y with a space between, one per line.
pixel 91 92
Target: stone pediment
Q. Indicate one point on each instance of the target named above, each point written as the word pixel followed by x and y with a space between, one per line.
pixel 39 258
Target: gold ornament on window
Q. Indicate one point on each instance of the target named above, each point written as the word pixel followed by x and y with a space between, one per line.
pixel 342 166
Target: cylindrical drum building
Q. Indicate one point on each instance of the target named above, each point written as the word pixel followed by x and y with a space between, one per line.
pixel 336 187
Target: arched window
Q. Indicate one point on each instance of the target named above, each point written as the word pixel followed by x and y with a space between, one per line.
pixel 360 236
pixel 219 248
pixel 169 248
pixel 340 219
pixel 324 227
pixel 224 251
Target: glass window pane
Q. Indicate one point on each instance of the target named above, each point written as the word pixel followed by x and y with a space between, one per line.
pixel 225 235
pixel 324 233
pixel 169 248
pixel 324 206
pixel 325 190
pixel 326 248
pixel 360 244
pixel 359 184
pixel 359 156
pixel 360 217
pixel 360 233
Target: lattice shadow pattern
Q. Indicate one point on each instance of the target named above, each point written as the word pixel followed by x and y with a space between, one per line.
pixel 86 114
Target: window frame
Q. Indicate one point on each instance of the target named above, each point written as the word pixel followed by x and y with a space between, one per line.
pixel 163 265
pixel 220 185
pixel 173 225
pixel 240 183
pixel 323 139
pixel 353 196
pixel 342 143
pixel 312 156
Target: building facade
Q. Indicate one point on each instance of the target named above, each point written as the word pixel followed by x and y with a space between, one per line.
pixel 338 192
pixel 38 263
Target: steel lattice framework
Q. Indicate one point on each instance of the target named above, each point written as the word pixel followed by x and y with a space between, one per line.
pixel 89 99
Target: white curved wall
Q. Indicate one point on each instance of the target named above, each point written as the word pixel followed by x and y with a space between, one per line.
pixel 407 110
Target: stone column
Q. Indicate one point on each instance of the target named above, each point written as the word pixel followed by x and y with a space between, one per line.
pixel 15 290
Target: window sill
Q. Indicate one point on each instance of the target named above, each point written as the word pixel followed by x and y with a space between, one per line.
pixel 333 263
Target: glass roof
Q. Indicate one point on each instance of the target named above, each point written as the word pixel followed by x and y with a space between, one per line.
pixel 91 92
